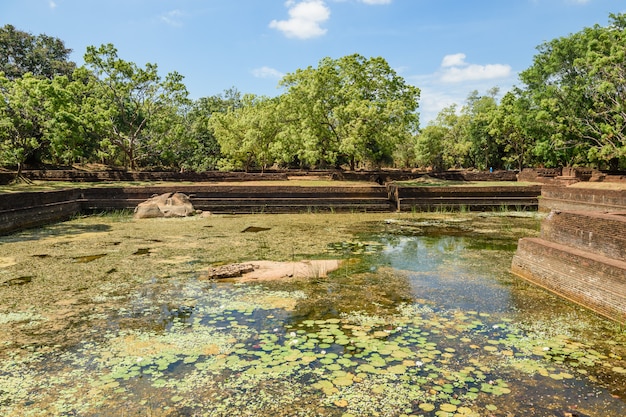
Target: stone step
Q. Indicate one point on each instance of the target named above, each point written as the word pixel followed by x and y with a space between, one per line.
pixel 594 281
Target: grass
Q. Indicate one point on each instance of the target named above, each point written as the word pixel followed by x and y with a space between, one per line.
pixel 292 182
pixel 62 185
pixel 444 183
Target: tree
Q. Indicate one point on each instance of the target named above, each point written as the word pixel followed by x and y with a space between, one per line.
pixel 206 152
pixel 578 83
pixel 429 146
pixel 42 55
pixel 512 127
pixel 78 126
pixel 135 97
pixel 480 111
pixel 248 135
pixel 455 144
pixel 23 118
pixel 350 110
pixel 606 120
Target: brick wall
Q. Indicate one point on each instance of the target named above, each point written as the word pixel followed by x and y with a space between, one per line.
pixel 596 282
pixel 603 234
pixel 580 256
pixel 568 198
pixel 476 198
pixel 23 210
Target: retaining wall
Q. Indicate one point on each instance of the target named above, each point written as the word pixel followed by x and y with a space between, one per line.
pixel 21 210
pixel 247 199
pixel 121 175
pixel 471 198
pixel 379 176
pixel 584 199
pixel 580 256
pixel 594 281
pixel 600 233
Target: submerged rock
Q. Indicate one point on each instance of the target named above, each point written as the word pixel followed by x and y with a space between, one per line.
pixel 269 270
pixel 230 271
pixel 165 205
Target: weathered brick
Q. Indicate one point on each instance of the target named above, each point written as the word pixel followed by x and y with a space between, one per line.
pixel 581 256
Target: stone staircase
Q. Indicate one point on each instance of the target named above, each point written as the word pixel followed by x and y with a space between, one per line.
pixel 242 199
pixel 581 256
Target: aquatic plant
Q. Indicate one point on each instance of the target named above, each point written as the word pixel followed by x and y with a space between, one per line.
pixel 372 340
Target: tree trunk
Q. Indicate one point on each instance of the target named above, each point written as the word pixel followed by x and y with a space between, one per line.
pixel 19 177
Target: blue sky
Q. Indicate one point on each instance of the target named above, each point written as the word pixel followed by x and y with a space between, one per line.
pixel 447 48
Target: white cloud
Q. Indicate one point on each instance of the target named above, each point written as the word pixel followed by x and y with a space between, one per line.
pixel 267 72
pixel 173 18
pixel 305 19
pixel 475 72
pixel 455 80
pixel 52 4
pixel 376 1
pixel 454 69
pixel 432 101
pixel 455 60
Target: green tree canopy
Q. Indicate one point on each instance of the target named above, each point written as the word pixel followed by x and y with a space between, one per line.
pixel 248 134
pixel 349 110
pixel 23 118
pixel 42 55
pixel 444 143
pixel 206 152
pixel 579 84
pixel 512 128
pixel 135 97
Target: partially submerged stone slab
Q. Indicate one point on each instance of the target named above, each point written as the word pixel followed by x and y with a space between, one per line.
pixel 270 270
pixel 229 271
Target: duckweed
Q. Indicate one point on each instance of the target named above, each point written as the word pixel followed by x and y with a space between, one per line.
pixel 183 345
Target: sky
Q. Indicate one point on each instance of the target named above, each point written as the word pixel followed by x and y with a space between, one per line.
pixel 447 48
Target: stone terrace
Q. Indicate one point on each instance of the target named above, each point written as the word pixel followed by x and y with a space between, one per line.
pixel 580 255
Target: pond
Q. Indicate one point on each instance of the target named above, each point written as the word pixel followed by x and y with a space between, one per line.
pixel 423 318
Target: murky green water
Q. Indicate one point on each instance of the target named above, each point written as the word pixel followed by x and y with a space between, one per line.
pixel 418 321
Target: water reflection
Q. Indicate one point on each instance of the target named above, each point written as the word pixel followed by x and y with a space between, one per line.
pixel 446 271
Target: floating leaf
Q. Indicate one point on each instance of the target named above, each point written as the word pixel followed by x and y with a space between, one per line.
pixel 341 403
pixel 343 381
pixel 426 407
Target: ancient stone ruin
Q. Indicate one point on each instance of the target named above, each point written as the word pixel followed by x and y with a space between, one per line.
pixel 579 255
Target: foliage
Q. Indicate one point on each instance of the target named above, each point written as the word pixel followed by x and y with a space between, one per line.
pixel 577 82
pixel 248 135
pixel 353 111
pixel 350 110
pixel 484 151
pixel 42 55
pixel 135 97
pixel 79 125
pixel 205 151
pixel 443 143
pixel 510 127
pixel 23 118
